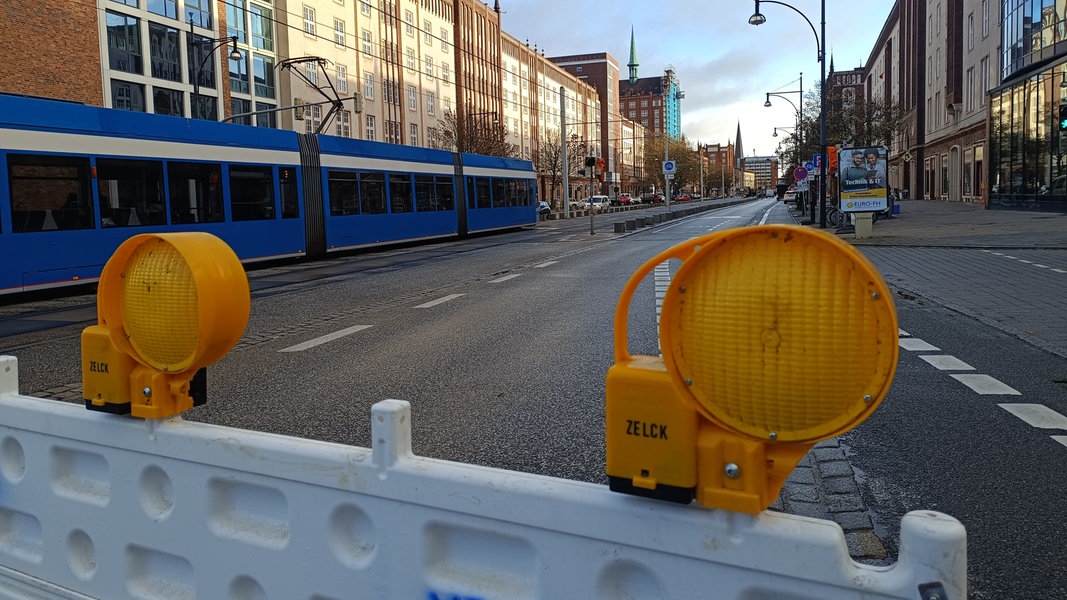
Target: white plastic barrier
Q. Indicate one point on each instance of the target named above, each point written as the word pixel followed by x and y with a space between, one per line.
pixel 98 506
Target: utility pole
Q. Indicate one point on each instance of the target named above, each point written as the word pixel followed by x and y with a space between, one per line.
pixel 565 195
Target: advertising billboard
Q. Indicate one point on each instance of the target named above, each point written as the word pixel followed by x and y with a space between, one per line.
pixel 862 179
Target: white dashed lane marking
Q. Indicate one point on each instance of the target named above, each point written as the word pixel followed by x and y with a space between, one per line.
pixel 546 264
pixel 442 300
pixel 326 338
pixel 1037 415
pixel 917 345
pixel 945 362
pixel 985 385
pixel 505 278
pixel 1024 261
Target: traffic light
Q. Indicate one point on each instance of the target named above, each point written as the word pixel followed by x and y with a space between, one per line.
pixel 168 305
pixel 736 398
pixel 1063 117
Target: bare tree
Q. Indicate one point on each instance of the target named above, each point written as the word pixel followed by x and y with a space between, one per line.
pixel 550 164
pixel 479 134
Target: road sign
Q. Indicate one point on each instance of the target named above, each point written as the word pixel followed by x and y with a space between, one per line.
pixel 668 166
pixel 800 173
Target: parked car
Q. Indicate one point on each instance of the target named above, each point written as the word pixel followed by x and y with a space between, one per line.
pixel 790 196
pixel 625 199
pixel 681 198
pixel 599 203
pixel 543 208
pixel 652 198
pixel 579 205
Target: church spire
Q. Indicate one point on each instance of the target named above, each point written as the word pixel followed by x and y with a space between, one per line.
pixel 633 58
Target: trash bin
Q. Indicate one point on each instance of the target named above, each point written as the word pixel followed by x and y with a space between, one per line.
pixel 896 209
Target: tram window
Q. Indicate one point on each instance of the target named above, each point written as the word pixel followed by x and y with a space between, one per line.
pixel 520 191
pixel 400 193
pixel 290 198
pixel 251 192
pixel 372 193
pixel 425 200
pixel 501 192
pixel 344 193
pixel 49 192
pixel 131 192
pixel 485 199
pixel 195 192
pixel 446 193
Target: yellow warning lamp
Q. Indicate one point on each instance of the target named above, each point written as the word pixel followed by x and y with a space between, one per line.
pixel 773 338
pixel 167 306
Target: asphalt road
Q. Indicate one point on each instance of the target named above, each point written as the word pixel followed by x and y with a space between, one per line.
pixel 501 345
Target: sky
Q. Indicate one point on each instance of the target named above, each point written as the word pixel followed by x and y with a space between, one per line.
pixel 724 65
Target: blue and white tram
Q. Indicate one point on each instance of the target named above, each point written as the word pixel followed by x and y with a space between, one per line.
pixel 75 181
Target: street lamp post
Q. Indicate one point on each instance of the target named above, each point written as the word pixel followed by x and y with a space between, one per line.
pixel 757 18
pixel 215 43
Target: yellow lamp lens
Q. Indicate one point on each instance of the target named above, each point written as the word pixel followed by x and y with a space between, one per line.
pixel 780 333
pixel 159 303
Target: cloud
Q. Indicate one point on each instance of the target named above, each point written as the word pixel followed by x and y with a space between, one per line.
pixel 723 64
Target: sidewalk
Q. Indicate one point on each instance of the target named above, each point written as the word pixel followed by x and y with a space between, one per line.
pixel 934 223
pixel 824 484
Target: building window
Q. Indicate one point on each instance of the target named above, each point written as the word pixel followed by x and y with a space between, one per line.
pixel 413 102
pixel 312 118
pixel 430 103
pixel 448 104
pixel 309 21
pixel 201 67
pixel 167 102
pixel 262 28
pixel 411 59
pixel 311 71
pixel 165 52
pixel 124 43
pixel 239 74
pixel 342 79
pixel 445 72
pixel 339 32
pixel 409 23
pixel 391 92
pixel 263 72
pixel 970 32
pixel 235 20
pixel 166 8
pixel 392 132
pixel 369 126
pixel 344 123
pixel 368 86
pixel 414 135
pixel 429 66
pixel 368 42
pixel 364 7
pixel 266 119
pixel 983 79
pixel 240 106
pixel 444 39
pixel 985 18
pixel 427 35
pixel 199 12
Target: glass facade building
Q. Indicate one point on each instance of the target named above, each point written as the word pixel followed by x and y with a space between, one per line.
pixel 1028 111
